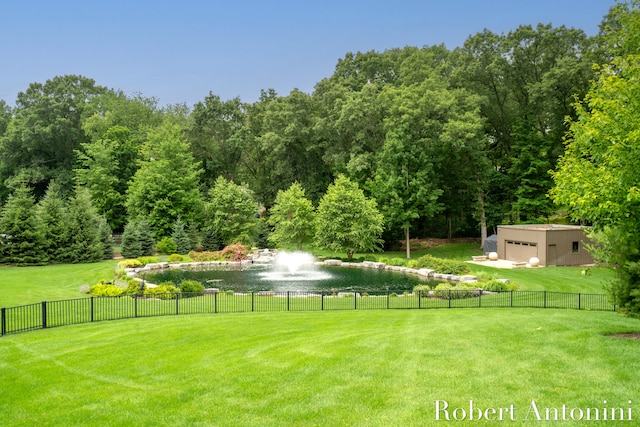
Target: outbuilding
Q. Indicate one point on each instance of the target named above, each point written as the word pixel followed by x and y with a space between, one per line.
pixel 552 244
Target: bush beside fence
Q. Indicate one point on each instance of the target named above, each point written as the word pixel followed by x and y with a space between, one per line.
pixel 49 314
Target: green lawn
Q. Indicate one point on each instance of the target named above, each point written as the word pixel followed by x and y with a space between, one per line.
pixel 321 368
pixel 26 285
pixel 341 368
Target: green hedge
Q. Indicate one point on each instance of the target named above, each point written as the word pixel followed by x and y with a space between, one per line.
pixel 443 266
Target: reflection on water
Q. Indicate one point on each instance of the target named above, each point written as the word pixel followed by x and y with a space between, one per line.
pixel 266 278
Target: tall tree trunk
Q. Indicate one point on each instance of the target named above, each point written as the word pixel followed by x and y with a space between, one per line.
pixel 406 240
pixel 483 220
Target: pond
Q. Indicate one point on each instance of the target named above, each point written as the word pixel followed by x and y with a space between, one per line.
pixel 269 278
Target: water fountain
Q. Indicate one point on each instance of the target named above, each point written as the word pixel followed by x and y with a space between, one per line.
pixel 294 267
pixel 289 271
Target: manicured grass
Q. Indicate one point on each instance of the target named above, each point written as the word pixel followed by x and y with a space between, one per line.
pixel 559 279
pixel 351 368
pixel 459 251
pixel 26 285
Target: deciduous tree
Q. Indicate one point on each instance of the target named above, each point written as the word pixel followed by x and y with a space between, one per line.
pixel 346 220
pixel 230 213
pixel 598 178
pixel 292 217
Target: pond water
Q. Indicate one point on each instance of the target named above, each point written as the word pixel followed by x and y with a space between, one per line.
pixel 268 278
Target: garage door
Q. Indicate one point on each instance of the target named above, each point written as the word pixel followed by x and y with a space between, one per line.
pixel 520 251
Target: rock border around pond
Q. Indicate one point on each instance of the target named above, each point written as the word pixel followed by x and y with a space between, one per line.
pixel 210 265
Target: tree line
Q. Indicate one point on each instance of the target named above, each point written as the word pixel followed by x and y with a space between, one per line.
pixel 447 142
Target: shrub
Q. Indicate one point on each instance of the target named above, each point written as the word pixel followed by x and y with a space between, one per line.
pixel 105 289
pixel 133 287
pixel 176 258
pixel 121 268
pixel 130 263
pixel 164 290
pixel 443 266
pixel 204 256
pixel 383 259
pixel 144 260
pixel 412 263
pixel 235 252
pixel 370 257
pixel 398 262
pixel 498 286
pixel 448 291
pixel 166 245
pixel 423 289
pixel 191 286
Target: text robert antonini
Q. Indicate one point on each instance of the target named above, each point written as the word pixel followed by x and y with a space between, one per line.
pixel 534 411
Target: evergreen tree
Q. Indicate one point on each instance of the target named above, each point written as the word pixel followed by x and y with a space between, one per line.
pixel 52 215
pixel 211 240
pixel 21 240
pixel 106 240
pixel 131 243
pixel 137 239
pixel 181 237
pixel 147 241
pixel 84 243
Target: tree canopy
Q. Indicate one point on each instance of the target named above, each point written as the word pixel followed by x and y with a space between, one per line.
pixel 347 220
pixel 449 143
pixel 598 178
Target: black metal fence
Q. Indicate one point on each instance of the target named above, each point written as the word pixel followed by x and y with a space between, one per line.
pixel 48 314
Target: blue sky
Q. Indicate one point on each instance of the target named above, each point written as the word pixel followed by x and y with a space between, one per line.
pixel 179 51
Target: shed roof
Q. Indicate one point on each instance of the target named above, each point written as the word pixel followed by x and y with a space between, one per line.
pixel 545 227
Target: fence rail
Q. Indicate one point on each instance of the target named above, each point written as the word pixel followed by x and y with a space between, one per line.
pixel 47 314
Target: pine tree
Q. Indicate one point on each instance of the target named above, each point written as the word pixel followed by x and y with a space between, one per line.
pixel 181 237
pixel 21 240
pixel 106 240
pixel 147 241
pixel 84 241
pixel 52 215
pixel 137 239
pixel 131 244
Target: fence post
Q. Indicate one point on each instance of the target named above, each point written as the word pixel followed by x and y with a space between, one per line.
pixel 92 309
pixel 419 300
pixel 3 321
pixel 287 300
pixel 215 302
pixel 135 306
pixel 579 300
pixel 449 298
pixel 44 314
pixel 355 300
pixel 253 300
pixel 322 301
pixel 177 304
pixel 511 299
pixel 387 298
pixel 545 299
pixel 480 299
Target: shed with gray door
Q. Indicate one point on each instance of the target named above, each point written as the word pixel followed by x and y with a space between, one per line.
pixel 552 244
